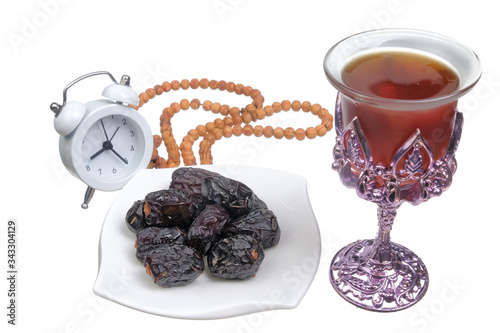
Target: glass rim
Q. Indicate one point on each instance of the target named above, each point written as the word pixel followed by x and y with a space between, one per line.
pixel 403 104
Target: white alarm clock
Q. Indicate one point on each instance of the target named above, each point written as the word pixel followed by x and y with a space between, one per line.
pixel 103 142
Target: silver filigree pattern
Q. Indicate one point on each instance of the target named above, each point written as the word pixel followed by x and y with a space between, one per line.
pixel 413 163
pixel 384 287
pixel 415 181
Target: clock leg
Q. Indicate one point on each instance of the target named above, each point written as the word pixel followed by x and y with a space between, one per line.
pixel 88 196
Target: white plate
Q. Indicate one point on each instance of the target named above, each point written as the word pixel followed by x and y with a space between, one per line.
pixel 282 281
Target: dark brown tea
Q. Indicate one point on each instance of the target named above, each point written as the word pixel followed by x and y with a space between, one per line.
pixel 404 76
pixel 400 75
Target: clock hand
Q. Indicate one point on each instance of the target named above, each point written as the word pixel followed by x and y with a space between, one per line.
pixel 106 134
pixel 106 145
pixel 114 134
pixel 121 158
pixel 98 153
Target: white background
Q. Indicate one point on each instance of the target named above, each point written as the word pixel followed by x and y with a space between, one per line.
pixel 277 47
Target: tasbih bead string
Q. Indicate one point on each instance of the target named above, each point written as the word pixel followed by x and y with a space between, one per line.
pixel 235 121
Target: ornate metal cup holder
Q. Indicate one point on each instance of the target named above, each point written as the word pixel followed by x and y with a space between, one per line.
pixel 378 274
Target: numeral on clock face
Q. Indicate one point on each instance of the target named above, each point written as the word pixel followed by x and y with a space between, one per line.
pixel 109 146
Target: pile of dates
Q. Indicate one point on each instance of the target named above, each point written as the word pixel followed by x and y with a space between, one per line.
pixel 201 215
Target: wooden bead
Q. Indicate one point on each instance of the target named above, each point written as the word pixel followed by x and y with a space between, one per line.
pixel 212 84
pixel 247 90
pixel 165 135
pixel 207 105
pixel 195 104
pixel 227 131
pixel 217 133
pixel 186 145
pixel 215 107
pixel 151 92
pixel 306 106
pixel 162 163
pixel 201 129
pixel 277 107
pixel 194 134
pixel 222 85
pixel 219 123
pixel 322 114
pixel 237 120
pixel 166 86
pixel 168 112
pixel 238 89
pixel 234 111
pixel 169 141
pixel 315 109
pixel 228 121
pixel 194 84
pixel 230 87
pixel 224 110
pixel 329 125
pixel 261 114
pixel 251 108
pixel 172 164
pixel 269 110
pixel 289 133
pixel 157 140
pixel 144 97
pixel 189 138
pixel 165 120
pixel 166 130
pixel 176 85
pixel 255 93
pixel 258 101
pixel 247 117
pixel 247 130
pixel 237 130
pixel 296 106
pixel 176 107
pixel 187 155
pixel 254 116
pixel 184 104
pixel 158 90
pixel 205 143
pixel 258 131
pixel 210 137
pixel 210 126
pixel 300 134
pixel 321 130
pixel 268 132
pixel 311 132
pixel 185 84
pixel 204 83
pixel 286 105
pixel 279 133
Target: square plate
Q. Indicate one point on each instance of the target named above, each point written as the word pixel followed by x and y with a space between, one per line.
pixel 282 281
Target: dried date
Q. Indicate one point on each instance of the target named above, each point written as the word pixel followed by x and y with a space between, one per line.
pixel 152 237
pixel 201 213
pixel 206 227
pixel 172 265
pixel 236 197
pixel 135 217
pixel 190 179
pixel 261 224
pixel 168 208
pixel 237 257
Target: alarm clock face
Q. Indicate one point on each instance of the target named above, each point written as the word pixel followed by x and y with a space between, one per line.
pixel 109 147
